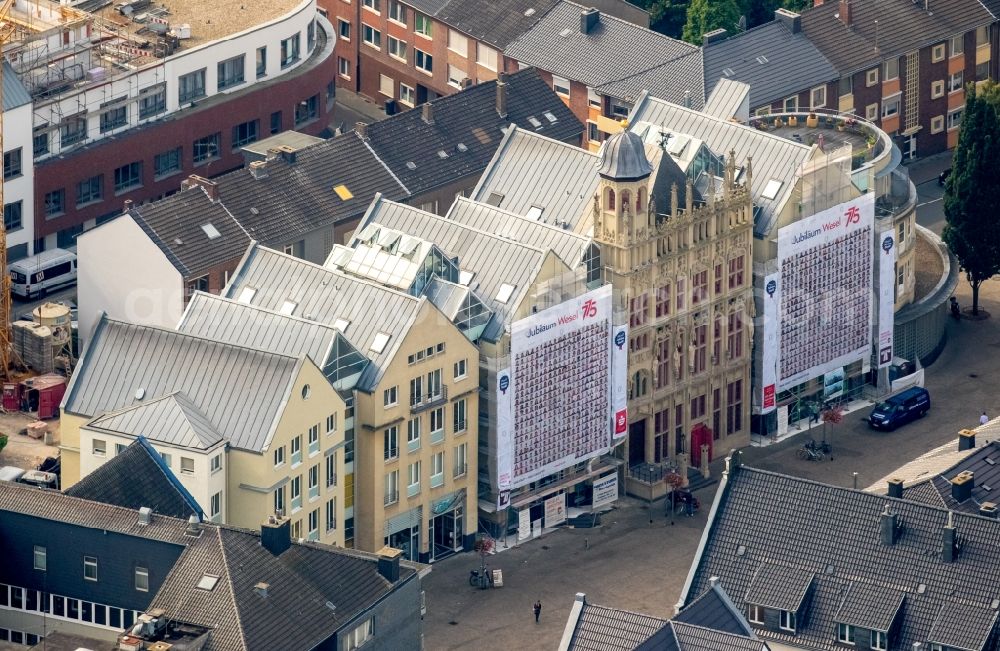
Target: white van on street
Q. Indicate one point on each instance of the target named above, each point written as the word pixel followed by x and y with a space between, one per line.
pixel 39 274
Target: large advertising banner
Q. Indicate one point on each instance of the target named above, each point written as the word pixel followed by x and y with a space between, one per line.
pixel 769 369
pixel 826 291
pixel 886 296
pixel 505 430
pixel 619 382
pixel 555 510
pixel 558 389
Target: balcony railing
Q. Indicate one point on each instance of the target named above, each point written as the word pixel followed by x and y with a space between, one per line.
pixel 419 402
pixel 437 436
pixel 412 489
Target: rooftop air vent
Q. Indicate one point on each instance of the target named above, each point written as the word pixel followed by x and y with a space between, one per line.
pixel 411 165
pixel 145 515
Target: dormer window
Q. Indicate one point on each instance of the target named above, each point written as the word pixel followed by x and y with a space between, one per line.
pixel 845 634
pixel 786 621
pixel 879 640
pixel 755 614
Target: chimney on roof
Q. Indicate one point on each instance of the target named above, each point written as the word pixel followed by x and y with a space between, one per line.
pixel 962 485
pixel 896 488
pixel 276 535
pixel 889 527
pixel 713 36
pixel 272 153
pixel 988 510
pixel 949 546
pixel 713 581
pixel 361 129
pixel 261 589
pixel 589 19
pixel 502 94
pixel 145 515
pixel 258 169
pixel 127 206
pixel 789 19
pixel 427 113
pixel 966 439
pixel 735 458
pixel 581 597
pixel 289 154
pixel 388 563
pixel 845 12
pixel 193 526
pixel 195 181
pixel 817 3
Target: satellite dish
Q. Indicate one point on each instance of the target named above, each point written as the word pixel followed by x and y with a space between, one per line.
pixel 742 25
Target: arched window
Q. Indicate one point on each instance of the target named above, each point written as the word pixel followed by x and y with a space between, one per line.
pixel 609 200
pixel 640 200
pixel 626 198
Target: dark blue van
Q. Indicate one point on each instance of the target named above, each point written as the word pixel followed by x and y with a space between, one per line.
pixel 900 409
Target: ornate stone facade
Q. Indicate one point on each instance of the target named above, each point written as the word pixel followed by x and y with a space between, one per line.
pixel 683 274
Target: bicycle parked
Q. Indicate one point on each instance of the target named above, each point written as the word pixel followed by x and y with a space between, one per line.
pixel 813 451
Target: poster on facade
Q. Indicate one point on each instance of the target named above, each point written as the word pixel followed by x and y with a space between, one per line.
pixel 555 510
pixel 524 524
pixel 557 394
pixel 825 313
pixel 782 421
pixel 886 296
pixel 503 500
pixel 505 429
pixel 769 357
pixel 619 382
pixel 833 384
pixel 605 490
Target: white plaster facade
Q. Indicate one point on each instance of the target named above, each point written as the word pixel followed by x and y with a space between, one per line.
pixel 20 187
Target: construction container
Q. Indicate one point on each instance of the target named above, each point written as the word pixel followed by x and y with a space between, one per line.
pixel 43 394
pixel 11 396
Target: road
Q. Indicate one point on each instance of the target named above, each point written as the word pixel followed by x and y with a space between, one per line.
pixel 21 307
pixel 924 174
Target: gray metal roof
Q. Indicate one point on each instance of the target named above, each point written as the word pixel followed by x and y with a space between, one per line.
pixel 679 80
pixel 240 390
pixel 541 233
pixel 173 419
pixel 329 297
pixel 14 92
pixel 775 63
pixel 834 534
pixel 222 319
pixel 623 158
pixel 613 49
pixel 532 170
pixel 774 157
pixel 494 260
pixel 726 99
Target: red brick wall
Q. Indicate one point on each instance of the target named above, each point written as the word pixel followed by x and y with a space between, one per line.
pixel 177 130
pixel 337 10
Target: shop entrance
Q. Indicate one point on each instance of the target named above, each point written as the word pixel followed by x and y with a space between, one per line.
pixel 407 540
pixel 637 442
pixel 447 533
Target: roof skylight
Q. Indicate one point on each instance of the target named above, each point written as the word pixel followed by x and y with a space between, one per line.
pixel 288 307
pixel 379 343
pixel 771 189
pixel 211 231
pixel 341 324
pixel 343 192
pixel 246 295
pixel 535 212
pixel 465 277
pixel 505 292
pixel 207 582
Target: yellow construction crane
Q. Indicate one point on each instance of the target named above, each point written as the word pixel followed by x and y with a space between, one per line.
pixel 6 344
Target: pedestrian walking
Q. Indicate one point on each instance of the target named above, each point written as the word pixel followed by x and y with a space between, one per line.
pixel 538 610
pixel 984 419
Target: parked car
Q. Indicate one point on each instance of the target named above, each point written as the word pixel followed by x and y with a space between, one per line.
pixel 900 409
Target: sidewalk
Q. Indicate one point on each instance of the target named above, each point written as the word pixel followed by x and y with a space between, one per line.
pixel 806 425
pixel 928 168
pixel 351 108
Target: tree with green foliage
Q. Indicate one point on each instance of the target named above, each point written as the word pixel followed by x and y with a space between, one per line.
pixel 704 16
pixel 972 191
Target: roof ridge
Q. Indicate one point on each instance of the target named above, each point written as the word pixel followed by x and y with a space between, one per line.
pixel 229 587
pixel 338 274
pixel 381 162
pixel 219 298
pixel 626 610
pixel 121 509
pixel 546 225
pixel 631 24
pixel 169 331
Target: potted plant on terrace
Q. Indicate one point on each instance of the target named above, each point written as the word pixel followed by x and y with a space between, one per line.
pixel 812 120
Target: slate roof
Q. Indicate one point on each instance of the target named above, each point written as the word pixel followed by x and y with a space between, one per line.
pixel 173 419
pixel 935 489
pixel 679 80
pixel 303 580
pixel 715 610
pixel 298 198
pixel 870 606
pixel 496 23
pixel 175 225
pixel 613 50
pixel 240 390
pixel 477 252
pixel 14 92
pixel 962 626
pixel 411 147
pixel 779 586
pixel 135 478
pixel 774 157
pixel 326 296
pixel 903 26
pixel 697 638
pixel 765 518
pixel 600 628
pixel 775 63
pixel 532 170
